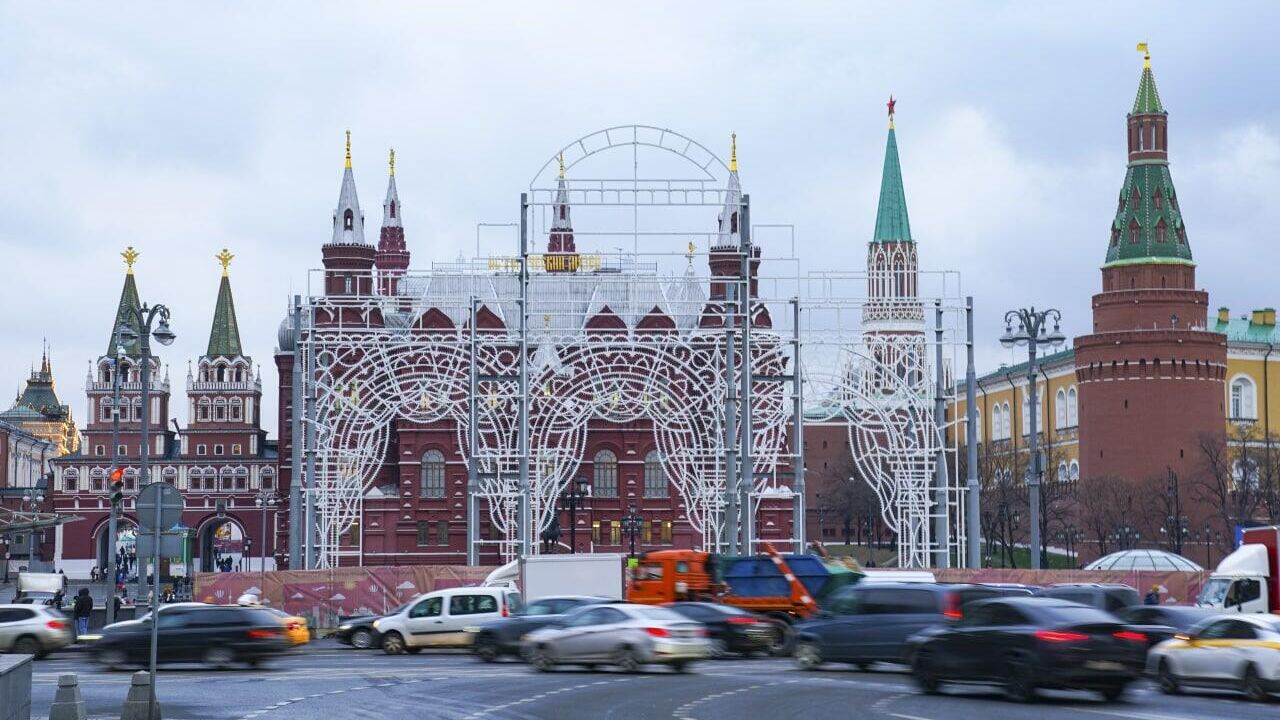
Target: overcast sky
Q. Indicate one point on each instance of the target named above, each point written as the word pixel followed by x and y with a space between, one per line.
pixel 180 133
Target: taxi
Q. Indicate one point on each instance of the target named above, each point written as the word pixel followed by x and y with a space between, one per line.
pixel 295 626
pixel 1240 652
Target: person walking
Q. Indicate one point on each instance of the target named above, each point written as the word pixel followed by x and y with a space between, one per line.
pixel 1153 597
pixel 82 608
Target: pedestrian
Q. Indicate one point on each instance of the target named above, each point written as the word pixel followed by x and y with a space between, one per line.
pixel 93 574
pixel 58 598
pixel 82 608
pixel 117 600
pixel 1153 597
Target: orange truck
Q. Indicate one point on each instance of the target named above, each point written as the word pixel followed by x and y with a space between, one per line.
pixel 787 588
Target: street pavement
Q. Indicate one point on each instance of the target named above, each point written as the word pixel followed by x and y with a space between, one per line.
pixel 329 680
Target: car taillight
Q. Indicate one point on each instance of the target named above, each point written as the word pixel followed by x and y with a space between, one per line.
pixel 263 634
pixel 1058 636
pixel 1130 635
pixel 658 632
pixel 953 607
pixel 505 611
pixel 56 625
pixel 293 625
pixel 741 620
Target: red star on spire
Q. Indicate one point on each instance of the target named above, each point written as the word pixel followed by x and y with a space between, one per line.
pixel 891 103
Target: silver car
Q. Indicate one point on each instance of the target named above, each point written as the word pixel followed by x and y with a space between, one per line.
pixel 33 629
pixel 620 634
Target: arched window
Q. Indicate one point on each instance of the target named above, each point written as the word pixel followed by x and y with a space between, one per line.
pixel 268 479
pixel 655 480
pixel 432 474
pixel 1074 471
pixel 605 474
pixel 1160 231
pixel 1072 408
pixel 1060 408
pixel 1158 198
pixel 1135 231
pixel 1063 471
pixel 348 220
pixel 236 409
pixel 204 409
pixel 1243 398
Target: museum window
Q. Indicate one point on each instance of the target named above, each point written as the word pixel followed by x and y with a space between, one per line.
pixel 605 474
pixel 202 449
pixel 615 532
pixel 1243 399
pixel 235 450
pixel 442 532
pixel 666 531
pixel 655 479
pixel 424 533
pixel 432 485
pixel 70 481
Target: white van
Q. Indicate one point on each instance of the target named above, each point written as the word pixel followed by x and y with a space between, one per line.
pixel 440 618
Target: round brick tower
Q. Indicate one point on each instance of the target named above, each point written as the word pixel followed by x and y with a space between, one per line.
pixel 1150 374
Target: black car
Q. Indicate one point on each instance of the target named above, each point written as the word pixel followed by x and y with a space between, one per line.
pixel 1102 596
pixel 1161 622
pixel 870 622
pixel 215 635
pixel 731 629
pixel 358 631
pixel 494 639
pixel 1028 643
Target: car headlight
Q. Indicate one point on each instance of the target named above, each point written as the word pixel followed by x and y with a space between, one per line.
pixel 345 626
pixel 376 623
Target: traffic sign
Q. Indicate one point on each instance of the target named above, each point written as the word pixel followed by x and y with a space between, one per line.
pixel 170 544
pixel 169 500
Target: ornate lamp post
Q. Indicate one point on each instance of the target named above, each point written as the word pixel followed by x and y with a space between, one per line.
pixel 575 497
pixel 265 499
pixel 631 522
pixel 31 500
pixel 1032 332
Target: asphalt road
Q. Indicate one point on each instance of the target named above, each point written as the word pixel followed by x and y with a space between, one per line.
pixel 328 680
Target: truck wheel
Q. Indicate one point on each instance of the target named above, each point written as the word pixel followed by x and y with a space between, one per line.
pixel 784 640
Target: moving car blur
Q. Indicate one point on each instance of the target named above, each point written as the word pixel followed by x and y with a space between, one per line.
pixel 1161 622
pixel 358 631
pixel 1103 596
pixel 441 618
pixel 868 623
pixel 729 629
pixel 33 629
pixel 216 635
pixel 496 638
pixel 295 626
pixel 1030 643
pixel 1240 652
pixel 620 634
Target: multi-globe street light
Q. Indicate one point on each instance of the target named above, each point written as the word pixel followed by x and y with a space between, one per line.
pixel 631 522
pixel 575 497
pixel 31 500
pixel 265 500
pixel 1031 333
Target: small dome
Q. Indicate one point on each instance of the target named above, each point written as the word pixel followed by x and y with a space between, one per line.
pixel 1143 560
pixel 286 337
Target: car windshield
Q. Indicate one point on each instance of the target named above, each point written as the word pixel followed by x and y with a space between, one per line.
pixel 660 614
pixel 1214 592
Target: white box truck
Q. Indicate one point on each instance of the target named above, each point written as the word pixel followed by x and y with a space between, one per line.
pixel 597 574
pixel 1247 580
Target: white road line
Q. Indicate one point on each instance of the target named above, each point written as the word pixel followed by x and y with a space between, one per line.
pixel 1137 715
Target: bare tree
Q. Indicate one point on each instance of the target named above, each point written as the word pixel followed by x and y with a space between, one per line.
pixel 852 501
pixel 1228 481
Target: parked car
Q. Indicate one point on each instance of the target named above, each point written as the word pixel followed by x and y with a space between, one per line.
pixel 1161 622
pixel 1109 597
pixel 730 629
pixel 215 635
pixel 1234 651
pixel 1028 643
pixel 33 629
pixel 440 618
pixel 622 634
pixel 295 626
pixel 359 632
pixel 864 624
pixel 496 638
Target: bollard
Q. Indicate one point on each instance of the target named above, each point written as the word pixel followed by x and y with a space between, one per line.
pixel 67 703
pixel 135 705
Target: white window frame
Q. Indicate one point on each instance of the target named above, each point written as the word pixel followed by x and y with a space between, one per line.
pixel 1245 407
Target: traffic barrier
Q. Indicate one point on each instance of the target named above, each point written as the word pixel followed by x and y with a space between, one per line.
pixel 67 703
pixel 135 705
pixel 15 687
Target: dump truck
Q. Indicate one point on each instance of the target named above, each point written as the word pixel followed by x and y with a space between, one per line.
pixel 1247 580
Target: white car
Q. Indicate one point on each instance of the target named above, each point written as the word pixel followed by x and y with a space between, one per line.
pixel 1234 651
pixel 443 618
pixel 620 634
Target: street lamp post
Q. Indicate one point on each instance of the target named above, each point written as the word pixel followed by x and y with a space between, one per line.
pixel 113 523
pixel 575 496
pixel 138 326
pixel 1032 332
pixel 266 499
pixel 631 522
pixel 31 500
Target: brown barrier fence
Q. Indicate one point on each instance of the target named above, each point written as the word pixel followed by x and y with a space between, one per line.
pixel 324 596
pixel 1180 588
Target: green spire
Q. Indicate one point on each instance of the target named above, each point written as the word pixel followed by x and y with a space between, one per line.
pixel 224 337
pixel 1148 100
pixel 125 316
pixel 892 224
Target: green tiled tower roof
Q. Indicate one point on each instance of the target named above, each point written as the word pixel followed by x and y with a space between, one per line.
pixel 125 316
pixel 892 224
pixel 224 336
pixel 1148 226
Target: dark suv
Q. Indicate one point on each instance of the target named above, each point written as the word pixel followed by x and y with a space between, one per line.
pixel 867 623
pixel 215 635
pixel 1109 597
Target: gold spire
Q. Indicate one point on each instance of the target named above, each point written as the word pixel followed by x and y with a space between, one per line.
pixel 1146 55
pixel 561 156
pixel 224 257
pixel 689 254
pixel 130 257
pixel 348 149
pixel 393 162
pixel 733 152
